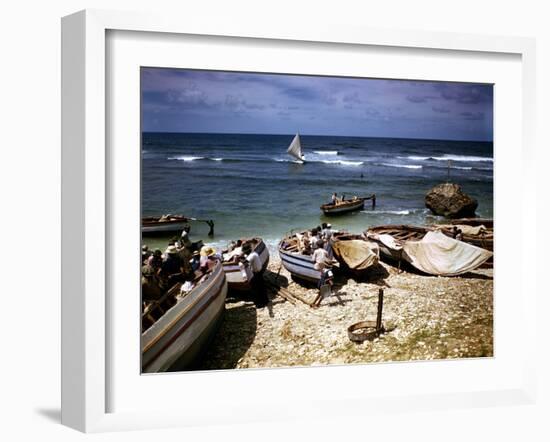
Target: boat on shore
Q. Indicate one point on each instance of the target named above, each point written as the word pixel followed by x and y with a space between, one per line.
pixel 238 273
pixel 479 235
pixel 428 250
pixel 354 253
pixel 298 264
pixel 163 224
pixel 346 206
pixel 177 328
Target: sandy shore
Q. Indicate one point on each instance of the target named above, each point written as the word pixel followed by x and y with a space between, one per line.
pixel 427 318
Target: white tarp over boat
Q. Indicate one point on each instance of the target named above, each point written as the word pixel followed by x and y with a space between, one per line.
pixel 295 149
pixel 437 254
pixel 357 254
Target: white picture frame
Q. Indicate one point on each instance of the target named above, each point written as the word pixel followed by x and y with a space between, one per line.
pixel 85 216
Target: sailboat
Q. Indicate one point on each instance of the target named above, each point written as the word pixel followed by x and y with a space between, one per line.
pixel 295 150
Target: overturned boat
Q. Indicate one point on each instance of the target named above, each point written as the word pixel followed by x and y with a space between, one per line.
pixel 237 271
pixel 177 328
pixel 354 252
pixel 431 252
pixel 298 264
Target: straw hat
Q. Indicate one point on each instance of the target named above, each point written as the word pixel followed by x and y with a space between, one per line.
pixel 207 251
pixel 170 250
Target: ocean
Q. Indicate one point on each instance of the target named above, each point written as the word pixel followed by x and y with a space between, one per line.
pixel 249 186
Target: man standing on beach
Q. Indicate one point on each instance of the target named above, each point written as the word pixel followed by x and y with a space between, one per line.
pixel 258 285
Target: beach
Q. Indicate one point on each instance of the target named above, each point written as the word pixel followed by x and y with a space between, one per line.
pixel 250 187
pixel 426 317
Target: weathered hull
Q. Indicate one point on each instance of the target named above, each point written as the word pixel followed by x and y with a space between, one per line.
pixel 299 266
pixel 177 338
pixel 329 209
pixel 163 227
pixel 238 276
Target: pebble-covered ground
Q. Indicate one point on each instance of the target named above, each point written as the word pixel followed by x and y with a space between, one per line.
pixel 426 318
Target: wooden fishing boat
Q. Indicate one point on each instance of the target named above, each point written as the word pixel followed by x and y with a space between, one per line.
pixel 163 224
pixel 341 207
pixel 481 237
pixel 428 249
pixel 239 274
pixel 176 329
pixel 354 252
pixel 299 265
pixel 476 231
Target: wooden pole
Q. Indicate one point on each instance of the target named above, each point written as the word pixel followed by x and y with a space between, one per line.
pixel 373 201
pixel 379 312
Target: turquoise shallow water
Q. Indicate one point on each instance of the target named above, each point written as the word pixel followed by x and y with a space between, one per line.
pixel 249 186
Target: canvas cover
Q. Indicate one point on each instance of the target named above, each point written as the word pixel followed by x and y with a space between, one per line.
pixel 468 230
pixel 437 254
pixel 356 253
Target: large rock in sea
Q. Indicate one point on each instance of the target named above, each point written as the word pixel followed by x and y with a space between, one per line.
pixel 448 200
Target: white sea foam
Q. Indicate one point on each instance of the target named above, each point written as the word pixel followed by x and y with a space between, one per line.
pixel 405 166
pixel 326 152
pixel 185 158
pixel 462 158
pixel 414 158
pixel 388 212
pixel 466 158
pixel 217 159
pixel 343 163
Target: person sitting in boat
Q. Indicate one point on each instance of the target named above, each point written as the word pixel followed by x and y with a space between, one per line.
pixel 155 260
pixel 145 253
pixel 207 258
pixel 150 284
pixel 185 237
pixel 171 270
pixel 234 252
pixel 195 261
pixel 257 282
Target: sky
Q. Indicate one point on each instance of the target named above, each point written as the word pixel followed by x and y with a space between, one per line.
pixel 180 100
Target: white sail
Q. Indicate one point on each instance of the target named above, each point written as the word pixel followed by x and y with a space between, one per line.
pixel 295 149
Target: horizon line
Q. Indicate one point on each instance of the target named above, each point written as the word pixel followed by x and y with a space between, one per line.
pixel 311 135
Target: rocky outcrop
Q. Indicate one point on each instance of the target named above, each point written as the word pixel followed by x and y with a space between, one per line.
pixel 448 200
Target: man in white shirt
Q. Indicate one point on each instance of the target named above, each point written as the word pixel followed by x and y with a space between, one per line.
pixel 257 282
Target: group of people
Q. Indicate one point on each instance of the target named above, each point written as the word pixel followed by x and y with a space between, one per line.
pixel 310 240
pixel 334 200
pixel 245 252
pixel 182 261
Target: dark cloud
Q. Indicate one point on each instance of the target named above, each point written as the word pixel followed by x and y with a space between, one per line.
pixel 352 98
pixel 441 109
pixel 301 93
pixel 472 116
pixel 416 99
pixel 465 93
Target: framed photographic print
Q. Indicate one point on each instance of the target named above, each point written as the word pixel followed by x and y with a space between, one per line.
pixel 275 209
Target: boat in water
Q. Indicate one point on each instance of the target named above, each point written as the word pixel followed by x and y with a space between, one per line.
pixel 428 250
pixel 295 150
pixel 298 264
pixel 177 328
pixel 237 271
pixel 346 206
pixel 163 224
